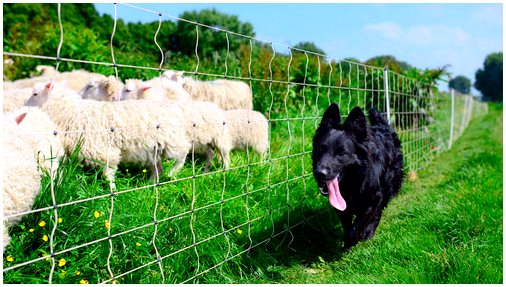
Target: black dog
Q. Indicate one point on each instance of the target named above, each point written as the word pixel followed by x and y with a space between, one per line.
pixel 359 167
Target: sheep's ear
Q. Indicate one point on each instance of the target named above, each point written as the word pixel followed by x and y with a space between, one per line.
pixel 20 118
pixel 49 86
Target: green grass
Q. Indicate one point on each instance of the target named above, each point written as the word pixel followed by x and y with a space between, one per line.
pixel 424 237
pixel 444 228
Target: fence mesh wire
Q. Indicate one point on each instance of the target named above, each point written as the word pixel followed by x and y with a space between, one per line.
pixel 187 229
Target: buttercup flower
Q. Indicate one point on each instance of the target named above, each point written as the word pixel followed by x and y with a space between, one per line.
pixel 96 214
pixel 45 238
pixel 83 281
pixel 60 220
pixel 42 223
pixel 31 230
pixel 144 171
pixel 106 223
pixel 9 258
pixel 138 244
pixel 239 231
pixel 78 272
pixel 62 262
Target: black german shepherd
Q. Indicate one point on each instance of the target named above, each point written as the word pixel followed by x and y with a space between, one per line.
pixel 359 167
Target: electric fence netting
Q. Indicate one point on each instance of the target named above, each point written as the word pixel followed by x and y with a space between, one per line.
pixel 199 225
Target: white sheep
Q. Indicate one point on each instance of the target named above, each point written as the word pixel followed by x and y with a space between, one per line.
pixel 46 71
pixel 247 128
pixel 156 89
pixel 138 132
pixel 227 94
pixel 21 180
pixel 74 80
pixel 41 133
pixel 205 123
pixel 102 88
pixel 15 98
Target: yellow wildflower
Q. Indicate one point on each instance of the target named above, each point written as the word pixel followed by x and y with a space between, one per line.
pixel 31 230
pixel 144 171
pixel 62 262
pixel 78 272
pixel 97 214
pixel 106 223
pixel 115 282
pixel 83 281
pixel 45 238
pixel 42 223
pixel 138 244
pixel 63 272
pixel 60 220
pixel 239 231
pixel 9 258
pixel 44 255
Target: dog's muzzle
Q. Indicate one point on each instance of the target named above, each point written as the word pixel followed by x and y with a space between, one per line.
pixel 324 190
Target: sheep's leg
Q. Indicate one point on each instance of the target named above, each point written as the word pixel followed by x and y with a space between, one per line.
pixel 177 166
pixel 225 155
pixel 109 173
pixel 156 170
pixel 209 159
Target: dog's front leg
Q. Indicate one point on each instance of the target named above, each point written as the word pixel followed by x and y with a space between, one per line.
pixel 349 232
pixel 367 223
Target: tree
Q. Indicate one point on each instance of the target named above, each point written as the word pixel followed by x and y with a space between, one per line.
pixel 210 40
pixel 460 84
pixel 309 46
pixel 489 79
pixel 390 62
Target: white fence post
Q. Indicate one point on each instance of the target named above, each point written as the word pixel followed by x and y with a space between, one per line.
pixel 451 119
pixel 387 97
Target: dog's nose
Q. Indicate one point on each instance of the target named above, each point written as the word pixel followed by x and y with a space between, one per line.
pixel 321 172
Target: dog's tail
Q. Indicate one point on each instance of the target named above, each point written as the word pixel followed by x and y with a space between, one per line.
pixel 376 118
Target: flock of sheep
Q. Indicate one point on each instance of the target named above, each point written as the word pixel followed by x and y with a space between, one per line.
pixel 138 122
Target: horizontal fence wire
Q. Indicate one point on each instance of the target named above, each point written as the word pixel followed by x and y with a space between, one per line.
pixel 235 209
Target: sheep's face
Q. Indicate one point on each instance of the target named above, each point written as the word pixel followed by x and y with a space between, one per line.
pixel 40 94
pixel 90 90
pixel 129 90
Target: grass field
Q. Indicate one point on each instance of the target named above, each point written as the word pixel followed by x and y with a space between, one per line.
pixel 444 228
pixel 266 223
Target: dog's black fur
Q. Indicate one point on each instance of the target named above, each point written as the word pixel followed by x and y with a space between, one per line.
pixel 367 161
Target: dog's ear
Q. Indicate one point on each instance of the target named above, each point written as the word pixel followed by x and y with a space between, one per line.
pixel 356 124
pixel 332 116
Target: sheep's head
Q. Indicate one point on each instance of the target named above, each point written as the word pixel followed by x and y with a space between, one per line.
pixel 175 76
pixel 129 90
pixel 40 94
pixel 91 90
pixel 113 89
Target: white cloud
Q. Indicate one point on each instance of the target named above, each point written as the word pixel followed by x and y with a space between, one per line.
pixel 389 30
pixel 490 14
pixel 419 35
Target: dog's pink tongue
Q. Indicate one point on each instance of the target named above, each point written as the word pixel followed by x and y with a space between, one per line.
pixel 335 198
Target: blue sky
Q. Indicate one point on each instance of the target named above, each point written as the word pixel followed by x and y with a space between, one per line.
pixel 424 35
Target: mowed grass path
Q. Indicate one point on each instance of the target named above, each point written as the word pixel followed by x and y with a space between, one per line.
pixel 445 227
